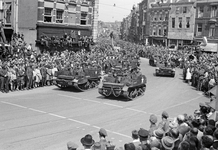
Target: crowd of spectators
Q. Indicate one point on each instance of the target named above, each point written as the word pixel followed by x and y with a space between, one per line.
pixel 183 133
pixel 28 69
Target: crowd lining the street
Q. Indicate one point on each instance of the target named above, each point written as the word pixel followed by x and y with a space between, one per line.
pixel 27 69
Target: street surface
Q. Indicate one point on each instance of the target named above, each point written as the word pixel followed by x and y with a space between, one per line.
pixel 47 118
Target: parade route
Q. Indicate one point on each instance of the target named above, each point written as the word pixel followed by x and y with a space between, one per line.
pixel 47 118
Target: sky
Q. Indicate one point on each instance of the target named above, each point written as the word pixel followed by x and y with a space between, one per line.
pixel 115 10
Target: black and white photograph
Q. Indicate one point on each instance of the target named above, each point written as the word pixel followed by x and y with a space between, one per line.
pixel 109 74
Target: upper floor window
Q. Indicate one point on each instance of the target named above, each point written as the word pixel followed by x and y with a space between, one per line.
pixel 165 31
pixel 173 22
pixel 213 11
pixel 83 19
pixel 177 10
pixel 48 14
pixel 155 18
pixel 59 16
pixel 200 11
pixel 187 22
pixel 184 10
pixel 180 22
pixel 159 32
pixel 154 31
pixel 7 7
pixel 199 29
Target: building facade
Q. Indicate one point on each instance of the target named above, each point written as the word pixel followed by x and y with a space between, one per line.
pixel 206 22
pixel 181 23
pixel 9 17
pixel 56 17
pixel 158 16
pixel 34 18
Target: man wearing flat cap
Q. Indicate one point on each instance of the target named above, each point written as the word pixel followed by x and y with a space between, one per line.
pixel 102 135
pixel 164 124
pixel 143 137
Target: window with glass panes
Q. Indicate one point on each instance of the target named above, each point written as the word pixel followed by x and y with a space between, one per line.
pixel 83 19
pixel 59 16
pixel 48 14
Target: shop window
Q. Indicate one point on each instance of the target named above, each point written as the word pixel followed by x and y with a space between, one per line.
pixel 59 16
pixel 180 22
pixel 173 22
pixel 48 14
pixel 187 22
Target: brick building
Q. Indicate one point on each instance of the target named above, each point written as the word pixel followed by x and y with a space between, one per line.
pixel 206 23
pixel 34 18
pixel 56 17
pixel 181 23
pixel 158 16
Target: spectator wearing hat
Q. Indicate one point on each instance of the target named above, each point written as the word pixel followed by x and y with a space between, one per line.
pixel 167 143
pixel 87 142
pixel 158 134
pixel 135 137
pixel 71 146
pixel 153 126
pixel 164 124
pixel 143 137
pixel 102 135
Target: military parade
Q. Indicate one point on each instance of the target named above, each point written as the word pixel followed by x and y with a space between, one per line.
pixel 70 81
